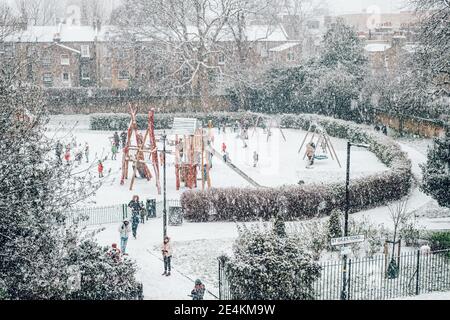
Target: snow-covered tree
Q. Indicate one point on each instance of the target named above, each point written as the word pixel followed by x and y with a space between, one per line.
pixel 436 171
pixel 433 54
pixel 334 225
pixel 42 252
pixel 268 267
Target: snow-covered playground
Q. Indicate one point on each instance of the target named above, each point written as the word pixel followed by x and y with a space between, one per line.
pixel 197 245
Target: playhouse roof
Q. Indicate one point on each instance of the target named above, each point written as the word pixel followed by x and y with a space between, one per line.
pixel 186 126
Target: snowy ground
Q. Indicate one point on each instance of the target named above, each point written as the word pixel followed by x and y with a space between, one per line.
pixel 429 296
pixel 197 245
pixel 280 162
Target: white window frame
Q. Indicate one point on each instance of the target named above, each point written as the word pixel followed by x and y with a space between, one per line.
pixel 65 59
pixel 85 52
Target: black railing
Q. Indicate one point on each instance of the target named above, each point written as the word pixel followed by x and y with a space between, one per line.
pixel 372 278
pixel 88 216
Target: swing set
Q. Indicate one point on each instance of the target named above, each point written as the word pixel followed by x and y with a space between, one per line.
pixel 319 135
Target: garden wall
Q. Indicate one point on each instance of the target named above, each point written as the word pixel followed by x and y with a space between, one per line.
pixel 244 204
pixel 94 100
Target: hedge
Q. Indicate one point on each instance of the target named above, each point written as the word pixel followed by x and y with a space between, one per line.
pixel 120 121
pixel 245 204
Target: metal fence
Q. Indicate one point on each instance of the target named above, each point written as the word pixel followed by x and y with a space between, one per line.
pixel 98 215
pixel 368 278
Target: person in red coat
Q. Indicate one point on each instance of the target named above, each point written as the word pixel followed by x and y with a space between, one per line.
pixel 67 156
pixel 100 169
pixel 224 147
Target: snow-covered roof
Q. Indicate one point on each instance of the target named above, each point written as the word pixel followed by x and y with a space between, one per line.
pixel 75 33
pixel 377 47
pixel 66 33
pixel 284 46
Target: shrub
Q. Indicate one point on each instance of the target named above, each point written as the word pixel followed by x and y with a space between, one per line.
pixel 246 204
pixel 120 121
pixel 334 227
pixel 440 241
pixel 268 267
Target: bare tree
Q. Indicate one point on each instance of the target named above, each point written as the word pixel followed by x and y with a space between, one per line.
pixel 38 12
pixel 399 216
pixel 9 23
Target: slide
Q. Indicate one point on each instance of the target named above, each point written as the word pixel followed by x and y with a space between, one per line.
pixel 233 167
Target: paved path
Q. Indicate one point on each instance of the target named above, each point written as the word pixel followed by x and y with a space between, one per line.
pixel 150 266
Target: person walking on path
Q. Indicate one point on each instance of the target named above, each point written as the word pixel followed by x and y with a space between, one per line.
pixel 100 169
pixel 224 147
pixel 86 152
pixel 167 255
pixel 114 151
pixel 67 156
pixel 134 224
pixel 143 213
pixel 199 290
pixel 255 158
pixel 124 231
pixel 58 151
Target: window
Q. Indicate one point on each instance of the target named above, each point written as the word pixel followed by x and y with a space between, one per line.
pixel 85 51
pixel 122 54
pixel 46 59
pixel 48 79
pixel 290 56
pixel 85 72
pixel 221 59
pixel 8 50
pixel 124 75
pixel 65 60
pixel 160 72
pixel 65 77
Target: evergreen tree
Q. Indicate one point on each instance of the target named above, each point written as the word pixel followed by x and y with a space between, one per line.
pixel 41 251
pixel 436 172
pixel 334 225
pixel 268 267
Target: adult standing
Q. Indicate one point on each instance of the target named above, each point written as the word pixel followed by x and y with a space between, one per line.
pixel 167 255
pixel 136 208
pixel 124 231
pixel 86 151
pixel 116 138
pixel 123 137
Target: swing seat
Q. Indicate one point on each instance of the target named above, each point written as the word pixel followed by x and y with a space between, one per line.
pixel 321 157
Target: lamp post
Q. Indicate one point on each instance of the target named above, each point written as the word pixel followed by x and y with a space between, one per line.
pixel 164 137
pixel 347 207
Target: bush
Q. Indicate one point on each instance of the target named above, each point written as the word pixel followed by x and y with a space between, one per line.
pixel 120 121
pixel 246 204
pixel 440 241
pixel 268 267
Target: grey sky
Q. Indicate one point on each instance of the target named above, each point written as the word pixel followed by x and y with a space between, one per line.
pixel 338 6
pixel 357 6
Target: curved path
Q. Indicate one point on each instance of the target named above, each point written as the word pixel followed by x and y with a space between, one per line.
pixel 417 198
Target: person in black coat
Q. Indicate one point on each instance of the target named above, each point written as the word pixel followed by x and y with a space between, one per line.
pixel 123 137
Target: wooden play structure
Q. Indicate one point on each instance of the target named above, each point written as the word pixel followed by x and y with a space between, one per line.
pixel 136 149
pixel 191 154
pixel 322 141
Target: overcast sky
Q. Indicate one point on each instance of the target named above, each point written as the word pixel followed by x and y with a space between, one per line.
pixel 342 6
pixel 357 6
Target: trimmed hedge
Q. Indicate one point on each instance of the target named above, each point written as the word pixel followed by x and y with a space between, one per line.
pixel 120 121
pixel 245 204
